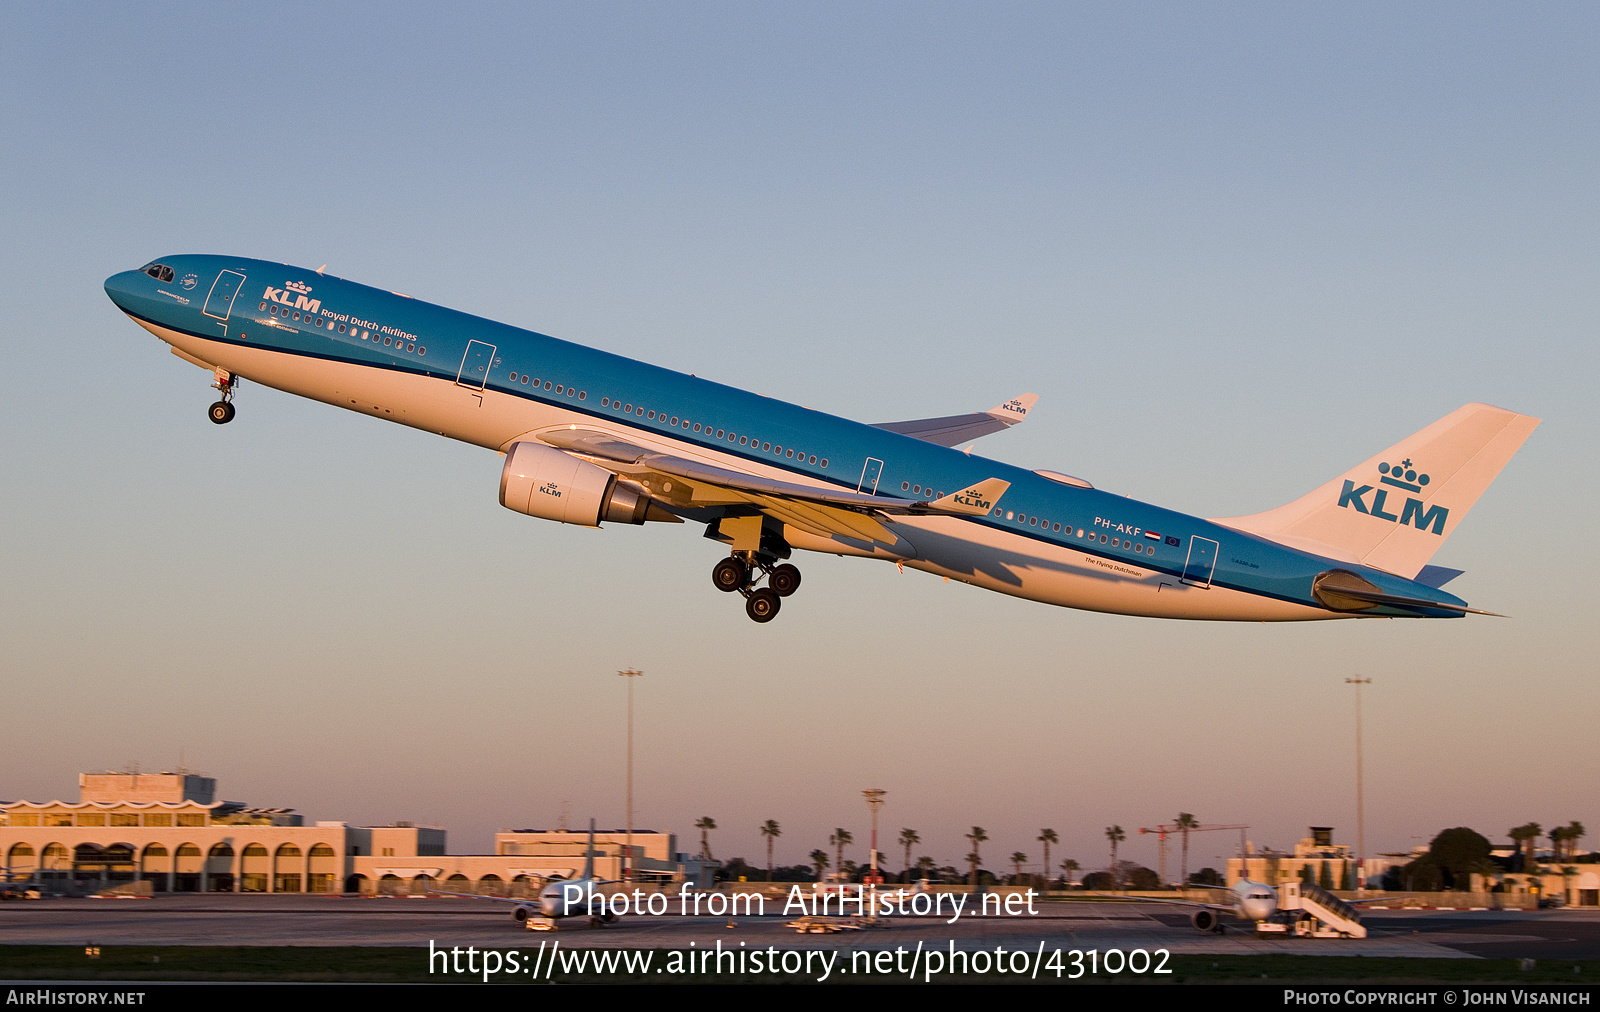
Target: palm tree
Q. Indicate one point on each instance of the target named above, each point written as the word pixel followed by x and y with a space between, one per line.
pixel 1067 868
pixel 705 825
pixel 770 830
pixel 909 839
pixel 819 859
pixel 925 865
pixel 1558 841
pixel 1047 837
pixel 840 839
pixel 1116 836
pixel 1184 823
pixel 1017 860
pixel 1526 836
pixel 1564 839
pixel 977 836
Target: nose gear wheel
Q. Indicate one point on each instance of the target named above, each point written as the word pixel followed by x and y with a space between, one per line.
pixel 222 411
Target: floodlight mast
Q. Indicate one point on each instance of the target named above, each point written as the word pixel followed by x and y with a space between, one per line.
pixel 874 796
pixel 1361 819
pixel 627 859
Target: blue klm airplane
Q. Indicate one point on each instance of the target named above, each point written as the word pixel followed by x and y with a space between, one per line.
pixel 591 438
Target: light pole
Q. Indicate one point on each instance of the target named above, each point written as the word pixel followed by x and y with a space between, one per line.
pixel 874 796
pixel 1361 821
pixel 627 861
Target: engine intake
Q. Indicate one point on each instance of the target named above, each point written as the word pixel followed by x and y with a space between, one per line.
pixel 544 482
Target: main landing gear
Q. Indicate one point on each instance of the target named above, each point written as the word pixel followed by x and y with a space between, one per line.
pixel 222 411
pixel 740 571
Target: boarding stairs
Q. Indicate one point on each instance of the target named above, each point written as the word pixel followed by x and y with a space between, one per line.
pixel 1322 914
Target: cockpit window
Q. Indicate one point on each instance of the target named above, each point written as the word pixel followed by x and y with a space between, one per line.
pixel 161 272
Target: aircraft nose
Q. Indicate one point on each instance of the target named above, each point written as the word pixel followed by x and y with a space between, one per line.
pixel 120 287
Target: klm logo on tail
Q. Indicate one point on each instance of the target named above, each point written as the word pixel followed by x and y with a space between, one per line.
pixel 1402 476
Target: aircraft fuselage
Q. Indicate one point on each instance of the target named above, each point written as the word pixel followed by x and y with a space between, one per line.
pixel 493 385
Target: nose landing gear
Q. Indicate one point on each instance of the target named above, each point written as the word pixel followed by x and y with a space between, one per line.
pixel 740 572
pixel 222 412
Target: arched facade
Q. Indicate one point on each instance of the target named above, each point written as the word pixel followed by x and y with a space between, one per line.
pixel 254 867
pixel 55 864
pixel 21 861
pixel 155 867
pixel 219 877
pixel 322 869
pixel 287 869
pixel 188 869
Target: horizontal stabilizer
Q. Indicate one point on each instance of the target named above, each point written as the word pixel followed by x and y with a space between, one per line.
pixel 1342 590
pixel 952 429
pixel 1437 576
pixel 1395 510
pixel 1399 601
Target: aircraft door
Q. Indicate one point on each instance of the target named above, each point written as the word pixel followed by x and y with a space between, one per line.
pixel 870 472
pixel 475 365
pixel 220 302
pixel 1202 560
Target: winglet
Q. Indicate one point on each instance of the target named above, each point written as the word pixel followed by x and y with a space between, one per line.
pixel 952 430
pixel 1016 409
pixel 975 501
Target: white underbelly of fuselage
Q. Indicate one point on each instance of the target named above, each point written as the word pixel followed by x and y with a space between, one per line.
pixel 973 553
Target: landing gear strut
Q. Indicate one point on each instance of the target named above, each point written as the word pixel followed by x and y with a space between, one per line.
pixel 742 570
pixel 222 411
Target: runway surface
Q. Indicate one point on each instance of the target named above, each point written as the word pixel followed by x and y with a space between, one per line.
pixel 341 920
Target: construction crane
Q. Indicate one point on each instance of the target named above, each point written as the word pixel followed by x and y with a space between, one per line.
pixel 1162 832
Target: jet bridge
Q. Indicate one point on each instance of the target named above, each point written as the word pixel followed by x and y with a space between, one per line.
pixel 1321 914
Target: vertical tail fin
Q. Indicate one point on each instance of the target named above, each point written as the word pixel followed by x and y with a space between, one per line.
pixel 588 853
pixel 1395 510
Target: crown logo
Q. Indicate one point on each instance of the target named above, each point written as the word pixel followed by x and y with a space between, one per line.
pixel 1402 475
pixel 298 286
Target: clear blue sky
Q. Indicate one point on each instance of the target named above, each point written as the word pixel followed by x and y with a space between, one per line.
pixel 1236 249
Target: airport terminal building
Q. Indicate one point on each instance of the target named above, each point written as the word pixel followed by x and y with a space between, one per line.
pixel 1316 858
pixel 168 830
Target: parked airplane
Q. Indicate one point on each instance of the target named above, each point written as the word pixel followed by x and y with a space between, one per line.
pixel 559 898
pixel 1306 903
pixel 1256 902
pixel 591 438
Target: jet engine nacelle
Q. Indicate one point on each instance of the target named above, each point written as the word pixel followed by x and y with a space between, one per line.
pixel 1205 920
pixel 521 914
pixel 544 482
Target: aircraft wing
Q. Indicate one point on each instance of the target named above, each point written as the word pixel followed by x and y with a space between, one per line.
pixel 532 902
pixel 822 511
pixel 1225 907
pixel 951 430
